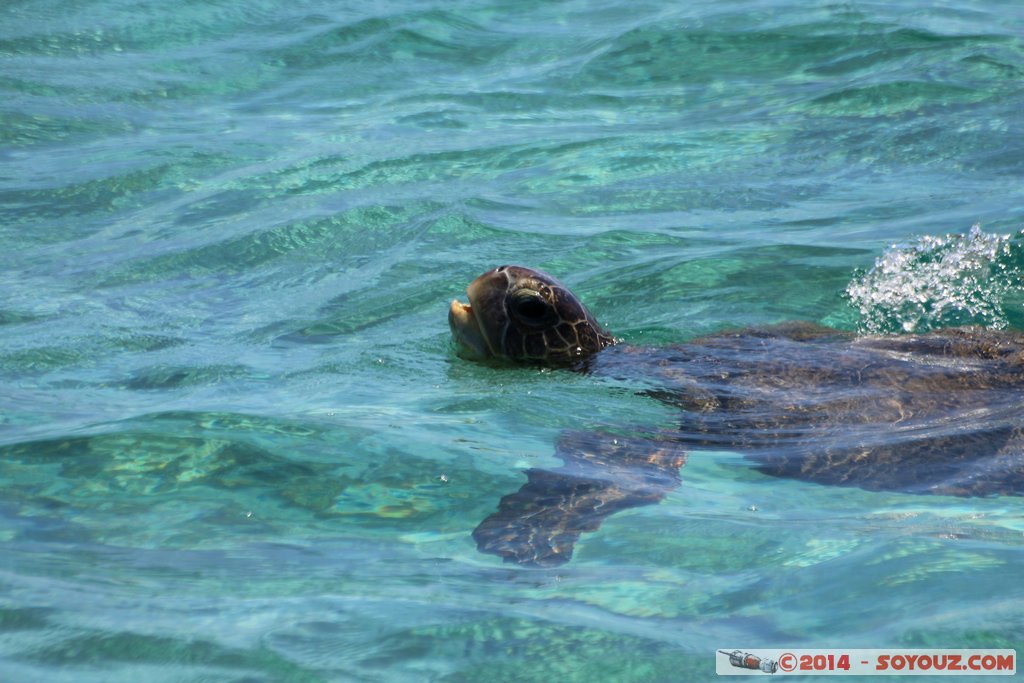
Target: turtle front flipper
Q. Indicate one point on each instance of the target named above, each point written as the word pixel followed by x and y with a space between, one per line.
pixel 539 524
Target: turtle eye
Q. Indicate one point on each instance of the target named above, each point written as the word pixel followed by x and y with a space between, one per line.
pixel 530 307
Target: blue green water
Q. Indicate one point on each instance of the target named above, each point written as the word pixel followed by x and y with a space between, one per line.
pixel 235 444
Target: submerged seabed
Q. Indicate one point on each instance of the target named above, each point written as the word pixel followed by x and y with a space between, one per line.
pixel 234 442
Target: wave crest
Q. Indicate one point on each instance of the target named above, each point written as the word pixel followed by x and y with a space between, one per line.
pixel 942 281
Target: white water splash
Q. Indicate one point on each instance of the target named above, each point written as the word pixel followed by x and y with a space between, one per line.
pixel 941 282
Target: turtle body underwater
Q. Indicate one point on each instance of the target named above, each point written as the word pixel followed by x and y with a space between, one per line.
pixel 936 413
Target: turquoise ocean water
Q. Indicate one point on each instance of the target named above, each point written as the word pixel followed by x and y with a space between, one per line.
pixel 235 444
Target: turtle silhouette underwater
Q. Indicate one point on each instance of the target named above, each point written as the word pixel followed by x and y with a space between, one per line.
pixel 935 413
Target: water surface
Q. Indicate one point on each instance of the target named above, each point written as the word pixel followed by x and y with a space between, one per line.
pixel 235 444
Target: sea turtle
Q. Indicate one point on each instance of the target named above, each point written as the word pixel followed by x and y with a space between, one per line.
pixel 935 413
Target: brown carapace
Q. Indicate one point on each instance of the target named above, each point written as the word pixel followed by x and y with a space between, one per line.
pixel 938 413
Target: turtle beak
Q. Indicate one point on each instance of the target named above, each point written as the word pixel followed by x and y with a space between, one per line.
pixel 478 326
pixel 466 331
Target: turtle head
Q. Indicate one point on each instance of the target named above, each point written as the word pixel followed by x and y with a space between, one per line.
pixel 521 314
